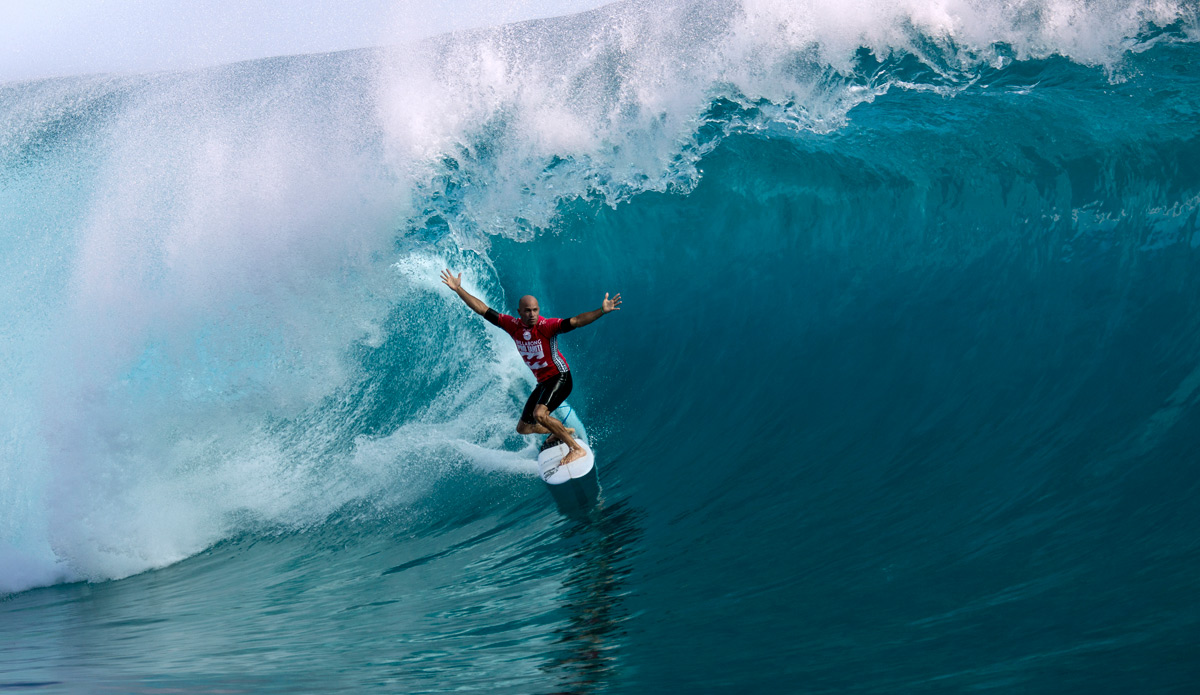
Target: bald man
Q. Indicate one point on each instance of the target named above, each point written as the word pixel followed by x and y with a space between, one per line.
pixel 537 341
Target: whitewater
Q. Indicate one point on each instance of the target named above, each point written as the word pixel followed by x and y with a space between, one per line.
pixel 904 395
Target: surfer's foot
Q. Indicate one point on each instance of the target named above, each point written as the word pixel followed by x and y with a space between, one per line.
pixel 572 455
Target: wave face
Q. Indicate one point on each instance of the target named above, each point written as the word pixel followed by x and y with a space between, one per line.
pixel 903 395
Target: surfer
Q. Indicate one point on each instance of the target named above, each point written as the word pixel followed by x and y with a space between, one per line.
pixel 537 341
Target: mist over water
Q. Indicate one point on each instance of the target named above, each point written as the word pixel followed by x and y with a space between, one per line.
pixel 65 37
pixel 903 395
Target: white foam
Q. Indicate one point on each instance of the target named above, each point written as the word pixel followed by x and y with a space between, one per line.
pixel 523 462
pixel 608 103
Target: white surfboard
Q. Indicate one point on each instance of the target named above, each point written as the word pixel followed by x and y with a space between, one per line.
pixel 556 473
pixel 575 486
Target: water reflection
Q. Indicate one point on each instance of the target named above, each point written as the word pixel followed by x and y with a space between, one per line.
pixel 587 651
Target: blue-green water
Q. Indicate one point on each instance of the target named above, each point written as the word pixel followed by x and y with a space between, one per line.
pixel 903 396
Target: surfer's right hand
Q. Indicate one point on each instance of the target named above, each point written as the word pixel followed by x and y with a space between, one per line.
pixel 454 283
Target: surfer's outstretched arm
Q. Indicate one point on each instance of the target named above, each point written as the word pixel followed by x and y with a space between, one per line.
pixel 587 317
pixel 454 282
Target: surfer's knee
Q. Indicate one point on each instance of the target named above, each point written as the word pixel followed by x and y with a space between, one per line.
pixel 524 427
pixel 541 414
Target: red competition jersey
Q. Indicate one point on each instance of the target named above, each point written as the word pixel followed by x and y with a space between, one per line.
pixel 538 345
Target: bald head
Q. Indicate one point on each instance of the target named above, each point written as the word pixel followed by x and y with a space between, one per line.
pixel 528 309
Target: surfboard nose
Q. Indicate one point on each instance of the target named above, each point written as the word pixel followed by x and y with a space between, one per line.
pixel 575 486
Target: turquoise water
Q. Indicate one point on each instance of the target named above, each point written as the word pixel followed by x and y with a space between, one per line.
pixel 903 396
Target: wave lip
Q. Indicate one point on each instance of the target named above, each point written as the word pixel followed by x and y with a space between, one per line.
pixel 616 101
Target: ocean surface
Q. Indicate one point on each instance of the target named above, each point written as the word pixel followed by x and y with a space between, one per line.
pixel 904 395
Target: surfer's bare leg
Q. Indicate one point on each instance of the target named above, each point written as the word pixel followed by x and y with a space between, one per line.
pixel 526 428
pixel 556 428
pixel 548 424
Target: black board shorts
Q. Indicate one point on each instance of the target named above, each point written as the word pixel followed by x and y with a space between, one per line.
pixel 550 393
